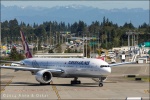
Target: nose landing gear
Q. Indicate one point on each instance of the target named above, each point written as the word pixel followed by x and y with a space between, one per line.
pixel 100 82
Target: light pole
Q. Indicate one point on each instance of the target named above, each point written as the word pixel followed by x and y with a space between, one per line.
pixel 32 44
pixel 90 44
pixel 79 32
pixel 56 38
pixel 62 37
pixel 50 35
pixel 47 41
pixel 83 45
pixel 83 40
pixel 18 40
pixel 53 41
pixel 93 45
pixel 37 43
pixel 12 41
pixel 98 40
pixel 86 45
pixel 6 42
pixel 59 38
pixel 87 36
pixel 42 44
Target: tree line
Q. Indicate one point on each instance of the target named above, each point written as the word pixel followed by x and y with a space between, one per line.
pixel 109 34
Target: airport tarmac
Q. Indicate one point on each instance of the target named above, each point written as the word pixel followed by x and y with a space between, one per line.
pixel 22 85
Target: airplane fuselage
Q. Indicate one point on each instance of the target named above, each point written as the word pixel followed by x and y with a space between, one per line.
pixel 72 67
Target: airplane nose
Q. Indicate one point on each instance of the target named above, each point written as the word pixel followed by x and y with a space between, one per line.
pixel 108 70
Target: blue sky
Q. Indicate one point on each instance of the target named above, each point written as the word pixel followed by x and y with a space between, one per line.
pixel 96 4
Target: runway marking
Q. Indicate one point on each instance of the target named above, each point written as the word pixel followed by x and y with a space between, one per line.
pixel 147 91
pixel 56 91
pixel 141 69
pixel 145 69
pixel 2 90
pixel 8 82
pixel 6 85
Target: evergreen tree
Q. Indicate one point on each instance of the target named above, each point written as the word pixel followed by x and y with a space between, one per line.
pixel 111 35
pixel 14 55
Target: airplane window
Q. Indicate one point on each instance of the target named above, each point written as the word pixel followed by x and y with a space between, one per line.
pixel 104 66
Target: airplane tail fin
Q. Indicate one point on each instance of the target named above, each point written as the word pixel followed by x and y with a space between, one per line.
pixel 102 58
pixel 25 46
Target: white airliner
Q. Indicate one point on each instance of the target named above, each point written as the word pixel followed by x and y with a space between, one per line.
pixel 46 68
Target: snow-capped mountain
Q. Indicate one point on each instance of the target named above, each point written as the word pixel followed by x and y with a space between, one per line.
pixel 73 13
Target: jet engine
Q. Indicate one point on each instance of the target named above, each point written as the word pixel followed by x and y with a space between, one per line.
pixel 43 76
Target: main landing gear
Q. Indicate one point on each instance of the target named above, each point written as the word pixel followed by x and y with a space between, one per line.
pixel 101 82
pixel 75 81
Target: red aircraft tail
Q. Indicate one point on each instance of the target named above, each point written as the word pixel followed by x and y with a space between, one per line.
pixel 25 46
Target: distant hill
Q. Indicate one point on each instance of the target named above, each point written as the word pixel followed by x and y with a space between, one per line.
pixel 70 14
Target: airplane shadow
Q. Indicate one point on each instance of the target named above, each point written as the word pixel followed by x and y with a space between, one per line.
pixel 37 84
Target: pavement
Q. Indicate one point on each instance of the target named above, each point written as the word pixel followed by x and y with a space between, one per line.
pixel 23 86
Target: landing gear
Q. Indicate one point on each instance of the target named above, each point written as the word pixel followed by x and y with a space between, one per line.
pixel 75 81
pixel 101 82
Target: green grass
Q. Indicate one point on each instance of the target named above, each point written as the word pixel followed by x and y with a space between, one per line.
pixel 143 78
pixel 146 79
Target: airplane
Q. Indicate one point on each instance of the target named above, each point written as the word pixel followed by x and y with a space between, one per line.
pixel 46 68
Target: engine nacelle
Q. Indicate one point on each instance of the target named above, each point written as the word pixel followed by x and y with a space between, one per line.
pixel 43 76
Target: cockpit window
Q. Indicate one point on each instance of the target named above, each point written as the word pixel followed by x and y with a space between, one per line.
pixel 104 66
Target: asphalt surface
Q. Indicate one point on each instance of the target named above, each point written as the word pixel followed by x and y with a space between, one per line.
pixel 22 85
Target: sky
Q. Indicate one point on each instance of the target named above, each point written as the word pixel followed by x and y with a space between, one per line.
pixel 96 4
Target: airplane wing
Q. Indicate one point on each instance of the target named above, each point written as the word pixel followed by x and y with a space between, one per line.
pixel 133 61
pixel 5 61
pixel 31 69
pixel 117 64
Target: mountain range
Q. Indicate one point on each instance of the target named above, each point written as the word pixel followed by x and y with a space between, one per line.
pixel 74 13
